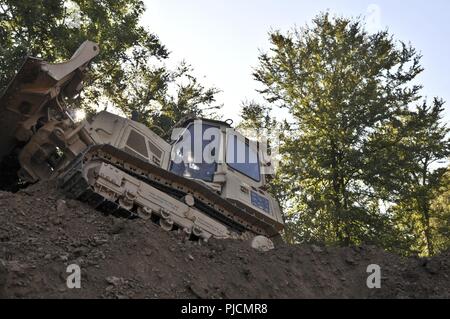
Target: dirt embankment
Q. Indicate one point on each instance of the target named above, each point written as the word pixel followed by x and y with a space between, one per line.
pixel 41 233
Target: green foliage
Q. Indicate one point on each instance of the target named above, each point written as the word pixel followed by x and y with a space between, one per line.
pixel 348 155
pixel 160 97
pixel 255 116
pixel 131 59
pixel 415 179
pixel 440 221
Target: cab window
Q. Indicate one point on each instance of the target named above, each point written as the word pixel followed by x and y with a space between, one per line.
pixel 188 165
pixel 242 158
pixel 137 143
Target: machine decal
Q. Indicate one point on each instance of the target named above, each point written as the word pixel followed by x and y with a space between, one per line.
pixel 260 202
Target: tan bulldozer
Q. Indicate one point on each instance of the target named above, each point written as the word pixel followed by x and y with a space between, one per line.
pixel 208 183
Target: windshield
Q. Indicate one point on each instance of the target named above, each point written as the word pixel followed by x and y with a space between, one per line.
pixel 185 162
pixel 242 158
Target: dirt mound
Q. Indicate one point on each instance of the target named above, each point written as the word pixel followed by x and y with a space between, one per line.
pixel 41 233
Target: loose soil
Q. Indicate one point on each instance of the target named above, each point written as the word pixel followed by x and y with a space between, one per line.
pixel 41 233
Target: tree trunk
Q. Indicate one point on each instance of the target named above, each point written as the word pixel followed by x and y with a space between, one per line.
pixel 427 228
pixel 425 207
pixel 341 228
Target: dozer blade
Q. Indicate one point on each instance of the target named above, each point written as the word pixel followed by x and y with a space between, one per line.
pixel 28 96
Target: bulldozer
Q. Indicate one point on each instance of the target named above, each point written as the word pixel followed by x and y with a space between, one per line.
pixel 121 167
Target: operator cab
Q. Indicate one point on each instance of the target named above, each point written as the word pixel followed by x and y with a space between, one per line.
pixel 207 150
pixel 213 153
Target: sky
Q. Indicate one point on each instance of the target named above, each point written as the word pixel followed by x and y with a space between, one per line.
pixel 222 39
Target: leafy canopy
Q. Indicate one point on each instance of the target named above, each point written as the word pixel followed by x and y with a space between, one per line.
pixel 348 93
pixel 129 73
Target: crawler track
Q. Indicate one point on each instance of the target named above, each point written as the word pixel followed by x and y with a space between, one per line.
pixel 75 184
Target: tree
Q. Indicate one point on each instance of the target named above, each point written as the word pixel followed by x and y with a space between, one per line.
pixel 342 86
pixel 131 62
pixel 54 29
pixel 417 178
pixel 255 116
pixel 161 97
pixel 440 221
